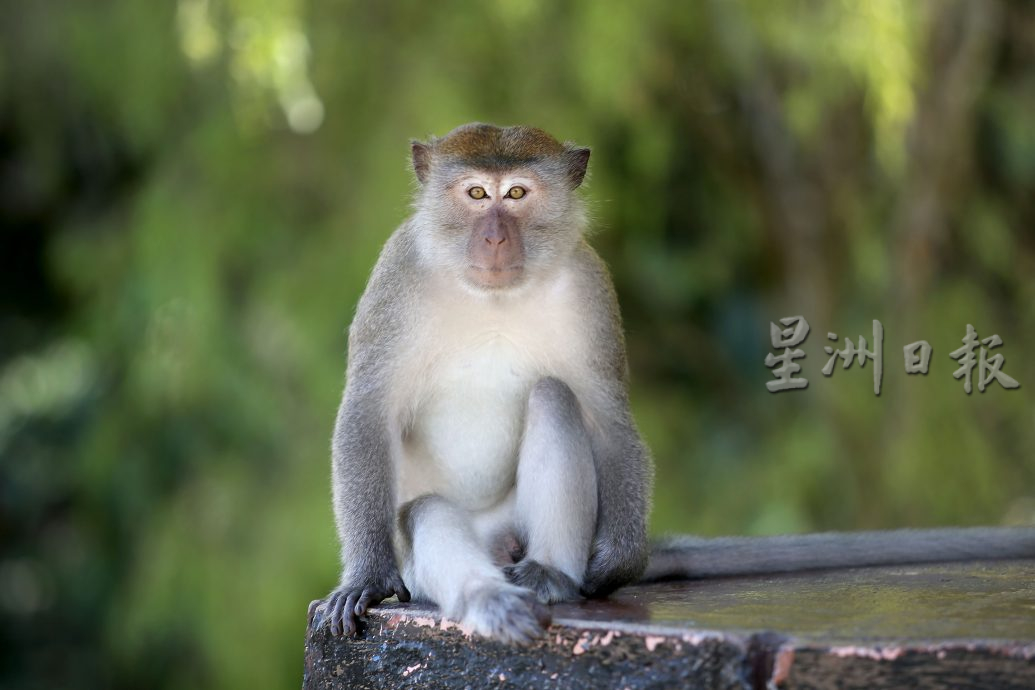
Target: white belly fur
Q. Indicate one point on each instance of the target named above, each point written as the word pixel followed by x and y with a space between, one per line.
pixel 469 428
pixel 471 365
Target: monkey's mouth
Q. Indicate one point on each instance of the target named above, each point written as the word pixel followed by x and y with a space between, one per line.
pixel 495 276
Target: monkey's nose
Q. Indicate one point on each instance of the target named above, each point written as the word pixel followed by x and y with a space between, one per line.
pixel 495 237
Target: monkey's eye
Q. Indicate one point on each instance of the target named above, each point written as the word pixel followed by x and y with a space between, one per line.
pixel 516 192
pixel 476 192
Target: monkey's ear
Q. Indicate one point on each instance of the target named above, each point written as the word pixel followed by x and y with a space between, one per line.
pixel 421 153
pixel 577 160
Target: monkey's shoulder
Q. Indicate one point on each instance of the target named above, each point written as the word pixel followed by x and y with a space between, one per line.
pixel 385 307
pixel 602 315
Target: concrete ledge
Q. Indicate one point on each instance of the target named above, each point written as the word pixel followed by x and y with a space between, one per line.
pixel 933 626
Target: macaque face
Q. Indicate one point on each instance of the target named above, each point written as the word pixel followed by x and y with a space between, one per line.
pixel 499 204
pixel 499 229
pixel 499 208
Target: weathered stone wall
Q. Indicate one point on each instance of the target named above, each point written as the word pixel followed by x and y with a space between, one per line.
pixel 935 626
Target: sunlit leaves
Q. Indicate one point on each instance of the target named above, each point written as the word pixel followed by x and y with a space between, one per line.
pixel 267 51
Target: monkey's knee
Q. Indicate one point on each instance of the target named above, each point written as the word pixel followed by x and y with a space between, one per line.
pixel 555 446
pixel 553 399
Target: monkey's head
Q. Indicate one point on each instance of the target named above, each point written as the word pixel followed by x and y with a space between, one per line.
pixel 499 203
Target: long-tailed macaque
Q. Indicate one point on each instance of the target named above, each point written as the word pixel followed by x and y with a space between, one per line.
pixel 484 455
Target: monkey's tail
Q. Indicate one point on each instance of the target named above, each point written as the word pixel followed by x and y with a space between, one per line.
pixel 688 557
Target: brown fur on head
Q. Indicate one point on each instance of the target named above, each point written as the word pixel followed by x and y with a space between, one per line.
pixel 487 237
pixel 497 148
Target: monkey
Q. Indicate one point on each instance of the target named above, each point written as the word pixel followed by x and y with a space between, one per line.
pixel 484 456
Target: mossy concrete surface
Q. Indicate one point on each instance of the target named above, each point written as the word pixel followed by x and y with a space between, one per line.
pixel 932 626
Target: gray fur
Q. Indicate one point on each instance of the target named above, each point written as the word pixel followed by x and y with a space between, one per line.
pixel 556 474
pixel 362 479
pixel 624 467
pixel 514 614
pixel 427 247
pixel 549 584
pixel 695 557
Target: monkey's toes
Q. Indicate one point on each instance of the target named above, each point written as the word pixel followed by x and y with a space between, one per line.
pixel 549 584
pixel 507 613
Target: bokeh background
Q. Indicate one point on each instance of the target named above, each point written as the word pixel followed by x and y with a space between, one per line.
pixel 192 195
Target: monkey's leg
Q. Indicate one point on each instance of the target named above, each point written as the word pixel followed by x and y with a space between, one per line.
pixel 447 564
pixel 556 494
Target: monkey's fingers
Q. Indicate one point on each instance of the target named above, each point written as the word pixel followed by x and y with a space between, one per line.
pixel 314 606
pixel 348 613
pixel 369 597
pixel 399 589
pixel 374 596
pixel 333 607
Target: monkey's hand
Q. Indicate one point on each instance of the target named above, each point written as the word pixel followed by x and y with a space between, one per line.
pixel 347 602
pixel 616 561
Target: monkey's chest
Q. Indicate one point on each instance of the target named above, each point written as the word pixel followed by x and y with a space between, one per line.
pixel 467 427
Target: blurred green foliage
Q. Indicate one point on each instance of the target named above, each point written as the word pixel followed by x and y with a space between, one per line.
pixel 192 195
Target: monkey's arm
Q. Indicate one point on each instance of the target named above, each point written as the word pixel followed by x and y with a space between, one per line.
pixel 623 464
pixel 363 479
pixel 687 557
pixel 364 509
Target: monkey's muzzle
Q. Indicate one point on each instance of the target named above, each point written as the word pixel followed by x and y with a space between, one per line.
pixel 496 250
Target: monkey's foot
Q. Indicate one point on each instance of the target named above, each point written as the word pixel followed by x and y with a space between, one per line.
pixel 549 584
pixel 506 613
